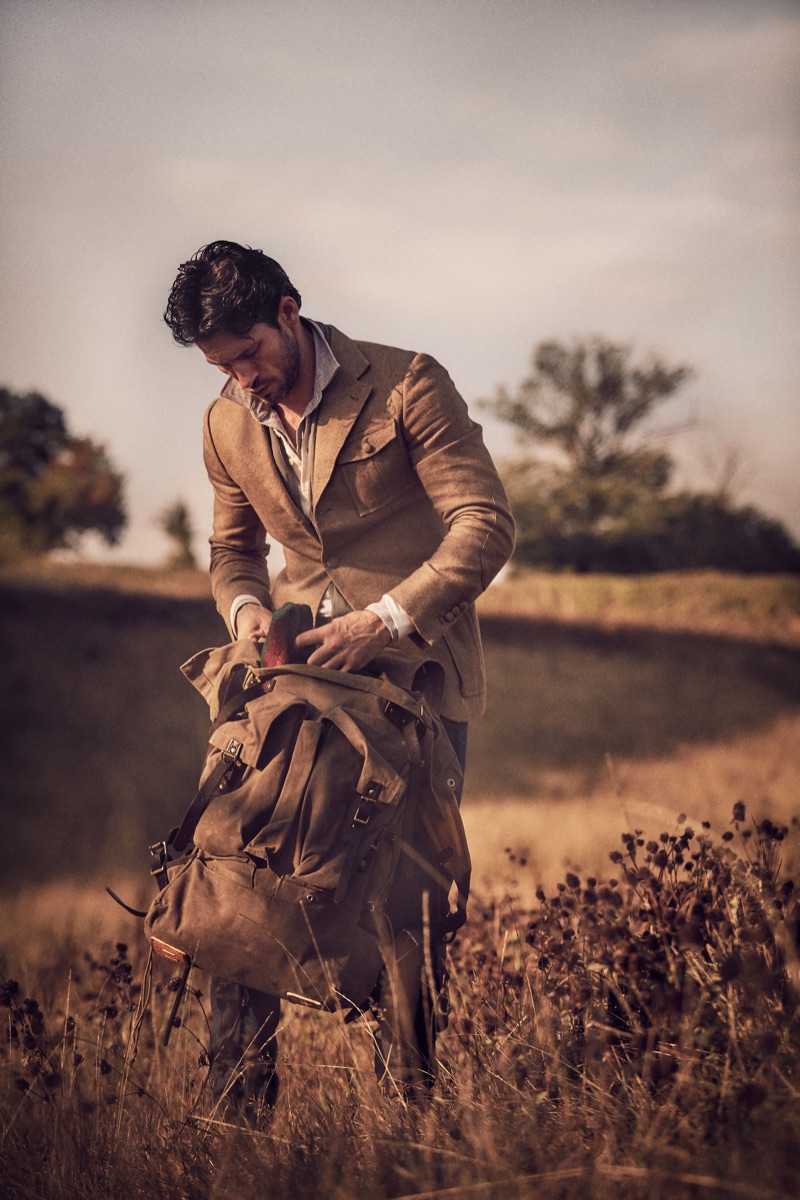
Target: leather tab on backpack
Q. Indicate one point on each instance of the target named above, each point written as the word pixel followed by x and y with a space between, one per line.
pixel 366 804
pixel 172 953
pixel 366 807
pixel 232 751
pixel 401 717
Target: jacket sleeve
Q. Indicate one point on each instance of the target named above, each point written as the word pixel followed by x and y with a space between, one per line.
pixel 238 543
pixel 447 452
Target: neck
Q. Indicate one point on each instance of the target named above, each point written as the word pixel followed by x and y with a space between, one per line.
pixel 299 397
pixel 290 420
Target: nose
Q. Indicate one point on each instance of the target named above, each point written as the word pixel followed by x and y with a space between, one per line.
pixel 245 375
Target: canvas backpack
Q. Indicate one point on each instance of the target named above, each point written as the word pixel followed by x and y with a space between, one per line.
pixel 316 784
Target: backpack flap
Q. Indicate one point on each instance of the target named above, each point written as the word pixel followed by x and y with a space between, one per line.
pixel 376 770
pixel 338 792
pixel 218 672
pixel 254 725
pixel 266 734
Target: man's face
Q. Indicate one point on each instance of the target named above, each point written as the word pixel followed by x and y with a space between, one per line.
pixel 264 361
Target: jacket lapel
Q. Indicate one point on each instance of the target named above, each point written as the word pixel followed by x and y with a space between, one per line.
pixel 343 400
pixel 265 477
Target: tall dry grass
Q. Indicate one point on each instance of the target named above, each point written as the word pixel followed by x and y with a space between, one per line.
pixel 634 1033
pixel 575 821
pixel 631 1031
pixel 760 607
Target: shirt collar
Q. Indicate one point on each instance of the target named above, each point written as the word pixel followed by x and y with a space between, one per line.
pixel 325 367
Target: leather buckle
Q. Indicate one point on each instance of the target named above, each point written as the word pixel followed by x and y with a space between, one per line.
pixel 366 804
pixel 232 751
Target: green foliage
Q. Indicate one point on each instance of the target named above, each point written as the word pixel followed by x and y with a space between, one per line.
pixel 586 403
pixel 686 531
pixel 176 522
pixel 53 487
pixel 594 497
pixel 683 531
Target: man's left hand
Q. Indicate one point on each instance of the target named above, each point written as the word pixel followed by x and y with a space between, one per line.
pixel 348 643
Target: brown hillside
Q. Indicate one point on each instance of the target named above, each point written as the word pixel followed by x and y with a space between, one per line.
pixel 105 739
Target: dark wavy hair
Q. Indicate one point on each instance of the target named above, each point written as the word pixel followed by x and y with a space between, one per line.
pixel 225 288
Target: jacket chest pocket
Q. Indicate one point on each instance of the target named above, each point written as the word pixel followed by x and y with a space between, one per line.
pixel 376 467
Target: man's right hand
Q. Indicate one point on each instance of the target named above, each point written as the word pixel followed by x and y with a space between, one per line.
pixel 253 622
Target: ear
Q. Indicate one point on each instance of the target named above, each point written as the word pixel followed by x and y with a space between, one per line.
pixel 288 312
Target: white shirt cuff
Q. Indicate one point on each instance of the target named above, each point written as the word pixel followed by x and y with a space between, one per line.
pixel 394 617
pixel 238 603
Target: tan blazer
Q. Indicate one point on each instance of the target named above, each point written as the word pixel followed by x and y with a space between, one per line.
pixel 406 500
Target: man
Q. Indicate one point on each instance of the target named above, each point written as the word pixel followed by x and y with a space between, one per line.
pixel 362 462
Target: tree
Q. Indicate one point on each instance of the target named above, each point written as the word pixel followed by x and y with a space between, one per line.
pixel 584 409
pixel 586 404
pixel 593 496
pixel 694 530
pixel 176 523
pixel 53 487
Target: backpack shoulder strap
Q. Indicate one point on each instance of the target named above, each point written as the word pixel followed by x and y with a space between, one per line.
pixel 228 760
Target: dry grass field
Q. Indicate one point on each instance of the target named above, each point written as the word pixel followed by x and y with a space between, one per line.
pixel 621 1027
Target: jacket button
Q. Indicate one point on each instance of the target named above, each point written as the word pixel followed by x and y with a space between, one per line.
pixel 448 616
pixel 368 448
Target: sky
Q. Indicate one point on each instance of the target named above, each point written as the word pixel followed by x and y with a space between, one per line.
pixel 463 177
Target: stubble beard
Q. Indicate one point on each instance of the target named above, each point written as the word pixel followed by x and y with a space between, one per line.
pixel 290 369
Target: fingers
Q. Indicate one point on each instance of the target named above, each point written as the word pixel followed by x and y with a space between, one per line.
pixel 253 622
pixel 332 646
pixel 311 637
pixel 324 658
pixel 348 643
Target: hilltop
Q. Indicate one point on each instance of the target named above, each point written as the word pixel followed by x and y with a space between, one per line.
pixel 605 700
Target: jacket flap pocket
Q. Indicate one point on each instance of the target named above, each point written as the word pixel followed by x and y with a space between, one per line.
pixel 368 441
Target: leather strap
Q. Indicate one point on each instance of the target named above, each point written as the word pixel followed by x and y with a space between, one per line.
pixel 360 683
pixel 224 767
pixel 296 779
pixel 236 703
pixel 185 831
